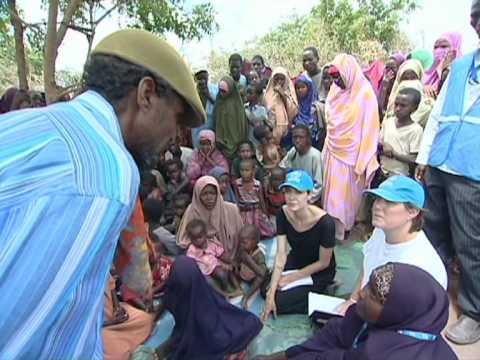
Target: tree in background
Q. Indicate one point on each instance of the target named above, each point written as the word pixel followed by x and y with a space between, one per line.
pixel 369 29
pixel 159 16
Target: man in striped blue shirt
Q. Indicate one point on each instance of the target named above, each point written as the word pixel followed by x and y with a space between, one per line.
pixel 68 185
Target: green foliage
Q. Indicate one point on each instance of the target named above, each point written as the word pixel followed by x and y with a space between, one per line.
pixel 368 20
pixel 8 64
pixel 158 16
pixel 162 16
pixel 368 29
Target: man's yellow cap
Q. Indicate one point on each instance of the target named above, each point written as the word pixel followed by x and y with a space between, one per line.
pixel 148 50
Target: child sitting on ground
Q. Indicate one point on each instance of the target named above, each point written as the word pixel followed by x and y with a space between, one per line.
pixel 268 153
pixel 274 197
pixel 251 201
pixel 149 188
pixel 209 255
pixel 177 180
pixel 180 204
pixel 162 240
pixel 246 151
pixel 252 266
pixel 400 136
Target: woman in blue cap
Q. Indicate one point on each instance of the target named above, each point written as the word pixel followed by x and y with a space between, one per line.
pixel 397 216
pixel 310 233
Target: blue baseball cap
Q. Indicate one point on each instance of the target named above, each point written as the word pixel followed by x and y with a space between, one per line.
pixel 299 180
pixel 401 189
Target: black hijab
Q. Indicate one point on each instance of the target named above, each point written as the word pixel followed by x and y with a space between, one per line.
pixel 206 325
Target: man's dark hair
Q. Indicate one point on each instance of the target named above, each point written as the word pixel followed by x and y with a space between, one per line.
pixel 235 57
pixel 313 49
pixel 201 72
pixel 303 127
pixel 114 78
pixel 414 95
pixel 258 57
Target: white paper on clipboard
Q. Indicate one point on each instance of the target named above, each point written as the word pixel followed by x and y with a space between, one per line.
pixel 306 281
pixel 323 303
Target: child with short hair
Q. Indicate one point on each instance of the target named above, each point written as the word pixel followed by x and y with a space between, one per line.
pixel 180 204
pixel 209 255
pixel 256 113
pixel 149 188
pixel 400 136
pixel 251 201
pixel 246 151
pixel 274 197
pixel 268 152
pixel 252 266
pixel 177 180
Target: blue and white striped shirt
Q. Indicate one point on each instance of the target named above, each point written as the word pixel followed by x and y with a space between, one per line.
pixel 67 189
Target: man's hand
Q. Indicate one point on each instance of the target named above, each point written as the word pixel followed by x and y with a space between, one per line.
pixel 420 172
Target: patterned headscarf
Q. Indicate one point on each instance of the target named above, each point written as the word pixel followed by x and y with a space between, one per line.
pixel 382 281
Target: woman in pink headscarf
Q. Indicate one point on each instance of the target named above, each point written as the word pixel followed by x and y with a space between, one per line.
pixel 447 48
pixel 349 153
pixel 205 157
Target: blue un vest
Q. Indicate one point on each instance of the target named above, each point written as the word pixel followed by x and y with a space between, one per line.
pixel 457 142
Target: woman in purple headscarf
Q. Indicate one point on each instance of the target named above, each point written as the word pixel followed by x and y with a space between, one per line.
pixel 392 320
pixel 207 327
pixel 447 48
pixel 307 95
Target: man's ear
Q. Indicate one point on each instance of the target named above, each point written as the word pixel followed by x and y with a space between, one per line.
pixel 146 88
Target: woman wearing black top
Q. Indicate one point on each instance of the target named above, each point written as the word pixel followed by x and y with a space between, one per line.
pixel 310 232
